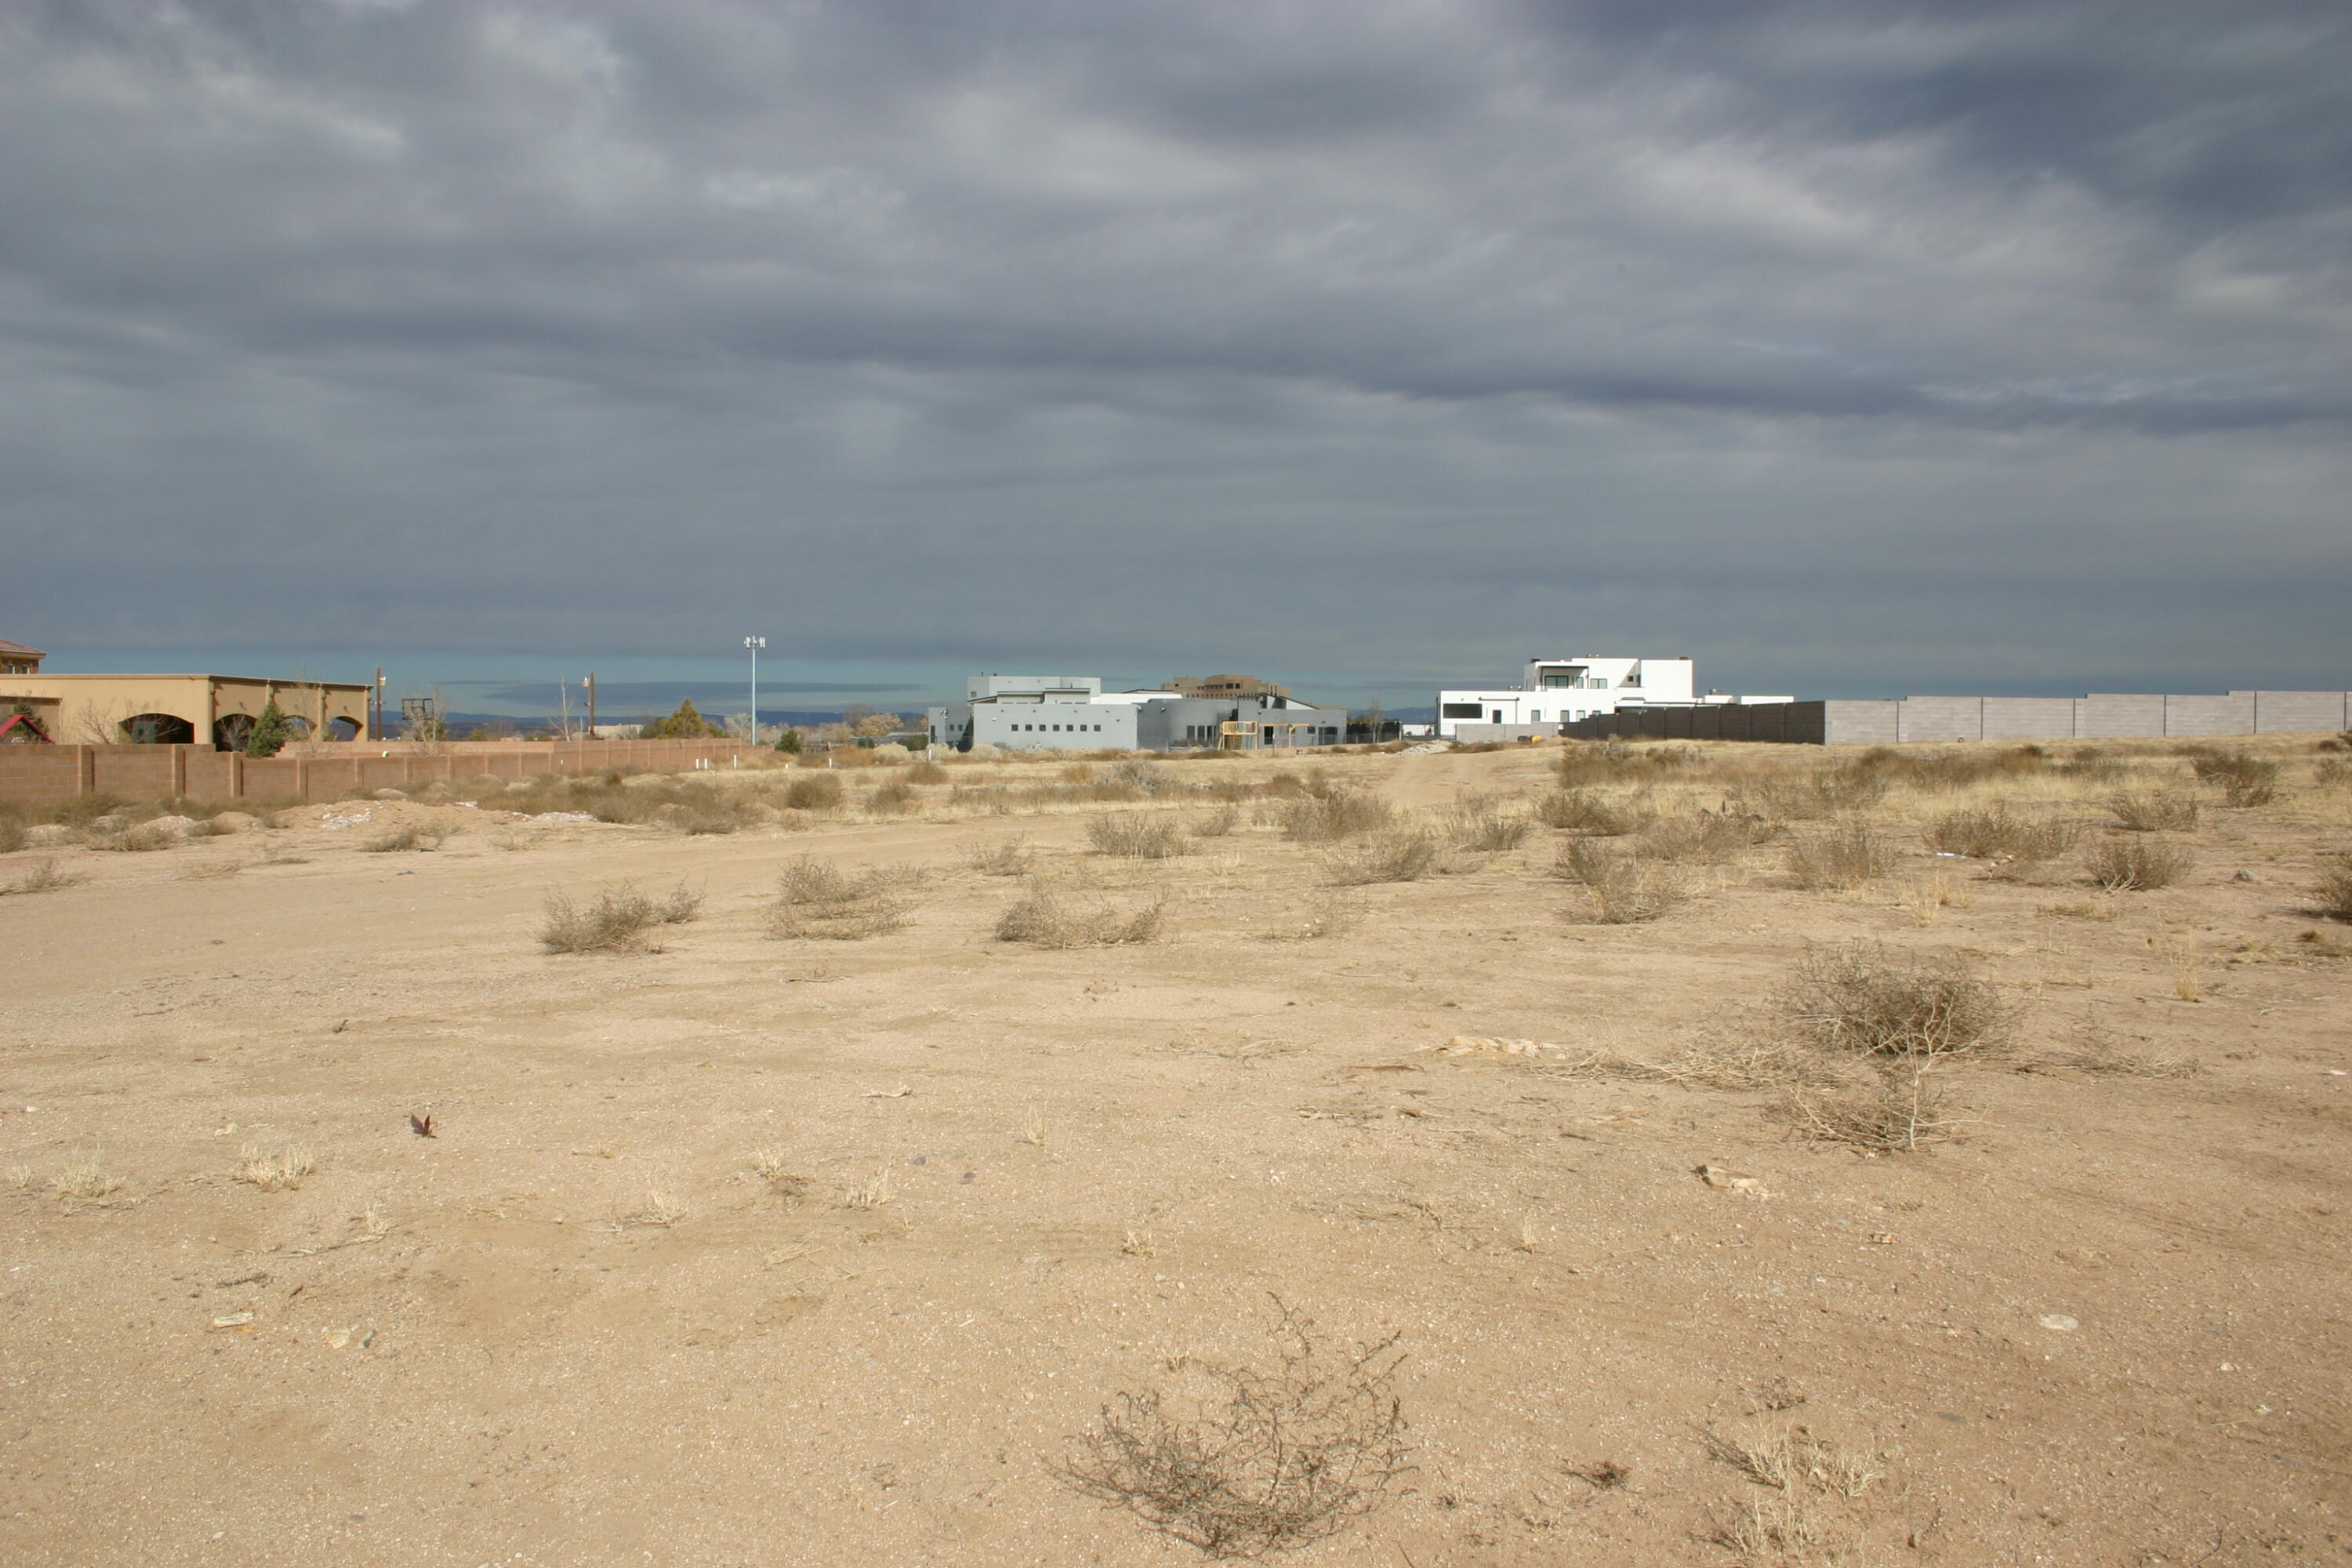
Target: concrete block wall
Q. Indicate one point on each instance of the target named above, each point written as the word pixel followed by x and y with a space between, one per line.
pixel 2029 719
pixel 2301 712
pixel 2104 715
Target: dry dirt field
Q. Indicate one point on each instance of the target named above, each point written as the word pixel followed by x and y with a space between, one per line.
pixel 835 1237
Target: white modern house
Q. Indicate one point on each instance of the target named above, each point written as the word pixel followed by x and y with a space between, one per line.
pixel 1073 712
pixel 1556 691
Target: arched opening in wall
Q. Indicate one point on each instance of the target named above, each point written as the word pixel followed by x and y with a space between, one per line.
pixel 342 729
pixel 158 730
pixel 297 727
pixel 232 731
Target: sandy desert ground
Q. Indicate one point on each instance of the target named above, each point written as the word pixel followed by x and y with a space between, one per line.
pixel 747 1248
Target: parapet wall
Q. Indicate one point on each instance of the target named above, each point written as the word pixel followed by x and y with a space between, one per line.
pixel 324 771
pixel 2101 715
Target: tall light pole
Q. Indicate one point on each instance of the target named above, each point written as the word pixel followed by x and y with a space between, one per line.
pixel 755 644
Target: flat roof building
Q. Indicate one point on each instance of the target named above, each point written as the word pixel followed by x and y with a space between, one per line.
pixel 1556 691
pixel 1053 713
pixel 182 710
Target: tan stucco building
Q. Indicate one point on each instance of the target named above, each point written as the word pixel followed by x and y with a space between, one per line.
pixel 217 709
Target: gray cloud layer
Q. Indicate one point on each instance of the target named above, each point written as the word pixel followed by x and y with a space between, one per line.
pixel 1846 346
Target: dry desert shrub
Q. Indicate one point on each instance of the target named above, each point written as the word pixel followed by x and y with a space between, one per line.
pixel 1581 811
pixel 84 1179
pixel 1394 855
pixel 619 920
pixel 1845 856
pixel 1816 793
pixel 400 840
pixel 1258 1461
pixel 1004 858
pixel 1862 1000
pixel 142 839
pixel 1709 837
pixel 2333 889
pixel 2244 781
pixel 1745 1065
pixel 2094 1051
pixel 273 1171
pixel 1895 1112
pixel 2138 864
pixel 1996 834
pixel 42 877
pixel 1342 813
pixel 1216 823
pixel 1044 918
pixel 816 792
pixel 1625 887
pixel 2156 812
pixel 927 773
pixel 817 899
pixel 1612 761
pixel 1478 823
pixel 1138 835
pixel 893 799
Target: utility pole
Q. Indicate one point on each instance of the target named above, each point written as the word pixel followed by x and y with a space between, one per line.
pixel 375 706
pixel 755 644
pixel 591 684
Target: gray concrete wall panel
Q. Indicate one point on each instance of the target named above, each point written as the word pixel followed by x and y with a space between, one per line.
pixel 2300 712
pixel 2120 715
pixel 1850 722
pixel 2029 718
pixel 2200 715
pixel 1941 719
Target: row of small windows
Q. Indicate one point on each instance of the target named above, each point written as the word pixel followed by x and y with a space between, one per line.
pixel 1093 727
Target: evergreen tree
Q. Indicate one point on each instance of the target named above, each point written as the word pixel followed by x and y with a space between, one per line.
pixel 789 741
pixel 687 724
pixel 271 732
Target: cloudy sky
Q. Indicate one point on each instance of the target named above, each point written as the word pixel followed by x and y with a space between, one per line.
pixel 1854 348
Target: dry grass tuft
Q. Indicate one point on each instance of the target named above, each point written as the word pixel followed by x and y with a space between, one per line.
pixel 619 920
pixel 1845 856
pixel 1138 835
pixel 773 1166
pixel 1043 918
pixel 2157 813
pixel 1625 887
pixel 42 877
pixel 1395 854
pixel 1863 1001
pixel 1260 1461
pixel 872 1194
pixel 927 773
pixel 278 1172
pixel 2138 865
pixel 817 899
pixel 1746 1065
pixel 1996 834
pixel 1820 793
pixel 84 1179
pixel 658 1208
pixel 1581 811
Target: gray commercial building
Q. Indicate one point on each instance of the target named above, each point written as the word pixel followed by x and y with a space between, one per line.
pixel 1073 712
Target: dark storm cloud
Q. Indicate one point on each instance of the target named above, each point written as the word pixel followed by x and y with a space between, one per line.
pixel 1406 338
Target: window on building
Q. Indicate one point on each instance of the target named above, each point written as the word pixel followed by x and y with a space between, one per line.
pixel 1465 711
